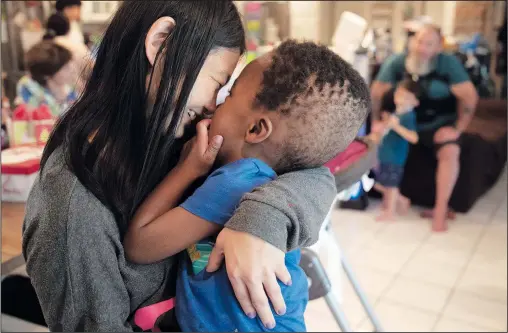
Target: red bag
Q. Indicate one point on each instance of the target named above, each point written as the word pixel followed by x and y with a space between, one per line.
pixel 22 125
pixel 31 125
pixel 43 124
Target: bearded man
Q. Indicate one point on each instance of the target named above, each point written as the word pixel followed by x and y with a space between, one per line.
pixel 444 108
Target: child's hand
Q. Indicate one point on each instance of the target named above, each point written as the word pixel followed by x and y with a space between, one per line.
pixel 198 155
pixel 393 121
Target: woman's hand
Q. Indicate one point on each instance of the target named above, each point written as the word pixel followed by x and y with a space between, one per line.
pixel 198 155
pixel 253 267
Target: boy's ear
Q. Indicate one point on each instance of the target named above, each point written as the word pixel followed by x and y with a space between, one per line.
pixel 155 37
pixel 259 130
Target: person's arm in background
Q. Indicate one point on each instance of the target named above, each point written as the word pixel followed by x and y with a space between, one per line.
pixel 384 81
pixel 464 90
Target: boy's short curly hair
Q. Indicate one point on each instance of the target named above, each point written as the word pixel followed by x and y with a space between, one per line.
pixel 326 99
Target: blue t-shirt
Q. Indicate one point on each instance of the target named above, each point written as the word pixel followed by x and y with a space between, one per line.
pixel 394 148
pixel 447 65
pixel 206 302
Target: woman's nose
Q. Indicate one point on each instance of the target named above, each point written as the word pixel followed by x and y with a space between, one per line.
pixel 209 110
pixel 211 106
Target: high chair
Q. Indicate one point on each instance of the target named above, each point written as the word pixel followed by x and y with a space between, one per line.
pixel 350 168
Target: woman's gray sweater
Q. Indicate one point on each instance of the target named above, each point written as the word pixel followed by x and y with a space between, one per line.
pixel 76 261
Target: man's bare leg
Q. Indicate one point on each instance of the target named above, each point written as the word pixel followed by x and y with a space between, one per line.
pixel 390 198
pixel 446 177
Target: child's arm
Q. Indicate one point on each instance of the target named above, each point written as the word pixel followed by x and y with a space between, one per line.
pixel 407 134
pixel 159 228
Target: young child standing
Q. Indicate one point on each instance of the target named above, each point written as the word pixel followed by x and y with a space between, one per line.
pixel 294 108
pixel 393 152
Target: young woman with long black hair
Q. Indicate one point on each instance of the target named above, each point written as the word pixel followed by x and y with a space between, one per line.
pixel 158 68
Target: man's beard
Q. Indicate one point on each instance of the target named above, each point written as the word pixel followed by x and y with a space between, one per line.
pixel 417 66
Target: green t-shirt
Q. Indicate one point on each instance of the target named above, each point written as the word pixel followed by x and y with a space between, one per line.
pixel 447 66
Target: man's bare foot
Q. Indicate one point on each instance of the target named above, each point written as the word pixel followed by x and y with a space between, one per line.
pixel 385 216
pixel 429 214
pixel 439 225
pixel 404 204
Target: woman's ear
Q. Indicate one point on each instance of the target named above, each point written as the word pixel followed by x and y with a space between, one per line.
pixel 259 130
pixel 158 32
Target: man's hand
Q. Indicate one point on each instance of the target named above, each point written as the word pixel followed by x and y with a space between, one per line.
pixel 445 134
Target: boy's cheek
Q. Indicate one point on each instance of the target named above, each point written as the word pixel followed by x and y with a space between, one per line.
pixel 214 128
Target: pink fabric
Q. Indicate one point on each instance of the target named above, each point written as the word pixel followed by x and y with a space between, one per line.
pixel 146 317
pixel 353 153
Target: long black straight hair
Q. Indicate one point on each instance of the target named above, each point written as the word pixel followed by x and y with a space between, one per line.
pixel 116 149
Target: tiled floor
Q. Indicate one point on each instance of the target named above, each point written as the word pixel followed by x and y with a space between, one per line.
pixel 421 281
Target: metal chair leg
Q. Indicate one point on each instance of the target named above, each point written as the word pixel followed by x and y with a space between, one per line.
pixel 337 313
pixel 356 286
pixel 319 283
pixel 361 295
pixel 320 286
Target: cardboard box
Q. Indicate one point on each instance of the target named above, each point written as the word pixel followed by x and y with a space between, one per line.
pixel 20 166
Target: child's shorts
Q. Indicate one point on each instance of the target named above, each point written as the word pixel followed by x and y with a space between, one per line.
pixel 390 175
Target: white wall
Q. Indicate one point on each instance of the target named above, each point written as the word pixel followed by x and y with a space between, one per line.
pixel 434 9
pixel 443 14
pixel 448 22
pixel 304 22
pixel 327 19
pixel 357 7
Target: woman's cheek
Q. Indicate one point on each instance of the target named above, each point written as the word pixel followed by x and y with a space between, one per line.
pixel 183 123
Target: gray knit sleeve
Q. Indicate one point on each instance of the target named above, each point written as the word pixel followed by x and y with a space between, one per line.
pixel 289 211
pixel 71 259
